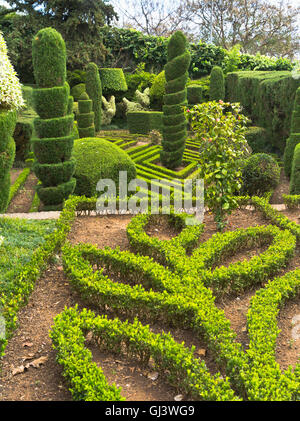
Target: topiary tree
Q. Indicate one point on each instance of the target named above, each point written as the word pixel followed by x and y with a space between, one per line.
pixel 174 120
pixel 11 100
pixel 294 137
pixel 157 91
pixel 295 174
pixel 217 84
pixel 85 117
pixel 54 166
pixel 94 90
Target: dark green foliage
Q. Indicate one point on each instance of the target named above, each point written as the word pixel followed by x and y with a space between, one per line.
pixel 143 122
pixel 77 90
pixel 55 196
pixel 139 79
pixel 295 175
pixel 94 90
pixel 53 174
pixel 176 73
pixel 260 174
pixel 194 94
pixel 7 154
pixel 294 138
pixel 268 99
pixel 54 127
pixel 85 117
pixel 76 77
pixel 113 81
pixel 98 159
pixel 22 135
pixel 53 150
pixel 217 84
pixel 51 102
pixel 258 140
pixel 49 58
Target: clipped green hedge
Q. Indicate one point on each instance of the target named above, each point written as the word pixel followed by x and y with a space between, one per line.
pixel 51 102
pixel 217 84
pixel 54 127
pixel 268 99
pixel 258 140
pixel 294 137
pixel 94 91
pixel 99 159
pixel 112 80
pixel 77 90
pixel 53 150
pixel 194 94
pixel 8 121
pixel 49 58
pixel 85 116
pixel 142 122
pixel 295 175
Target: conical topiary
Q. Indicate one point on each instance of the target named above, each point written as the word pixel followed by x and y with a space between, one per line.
pixel 85 117
pixel 217 84
pixel 294 137
pixel 94 90
pixel 54 166
pixel 174 121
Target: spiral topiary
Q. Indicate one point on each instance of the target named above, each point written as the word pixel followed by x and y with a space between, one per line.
pixel 85 117
pixel 53 166
pixel 174 121
pixel 94 90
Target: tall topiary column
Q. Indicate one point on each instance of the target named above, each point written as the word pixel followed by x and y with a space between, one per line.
pixel 94 91
pixel 54 166
pixel 294 138
pixel 217 84
pixel 174 121
pixel 295 174
pixel 85 118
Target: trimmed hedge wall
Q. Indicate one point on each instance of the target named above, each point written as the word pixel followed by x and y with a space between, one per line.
pixel 295 175
pixel 194 94
pixel 54 126
pixel 294 138
pixel 142 122
pixel 176 72
pixel 268 99
pixel 113 80
pixel 217 84
pixel 257 139
pixel 8 121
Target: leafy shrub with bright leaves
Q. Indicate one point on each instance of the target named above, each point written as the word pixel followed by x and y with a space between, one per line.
pixel 99 159
pixel 260 174
pixel 220 127
pixel 10 87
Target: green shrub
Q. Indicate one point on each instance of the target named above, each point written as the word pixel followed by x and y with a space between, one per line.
pixel 217 84
pixel 139 79
pixel 7 154
pixel 113 81
pixel 94 90
pixel 51 102
pixel 295 175
pixel 22 136
pixel 176 73
pixel 98 159
pixel 267 99
pixel 294 138
pixel 77 90
pixel 54 126
pixel 260 174
pixel 258 140
pixel 49 58
pixel 143 122
pixel 194 94
pixel 85 117
pixel 157 91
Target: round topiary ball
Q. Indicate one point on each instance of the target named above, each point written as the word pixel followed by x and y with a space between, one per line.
pixel 260 173
pixel 99 159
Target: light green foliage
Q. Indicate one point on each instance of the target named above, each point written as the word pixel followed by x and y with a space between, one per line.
pixel 157 91
pixel 217 84
pixel 94 90
pixel 220 127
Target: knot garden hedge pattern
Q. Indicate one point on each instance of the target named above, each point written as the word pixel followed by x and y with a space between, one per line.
pixel 176 282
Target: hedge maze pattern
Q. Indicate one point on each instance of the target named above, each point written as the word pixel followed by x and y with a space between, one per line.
pixel 176 282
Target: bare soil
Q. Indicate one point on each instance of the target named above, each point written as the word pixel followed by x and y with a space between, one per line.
pixel 22 201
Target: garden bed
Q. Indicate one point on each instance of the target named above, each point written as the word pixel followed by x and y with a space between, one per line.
pixel 139 382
